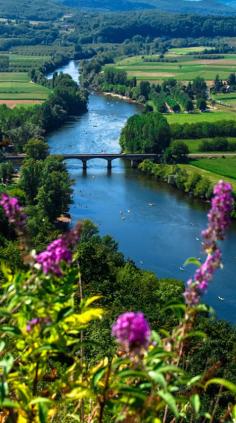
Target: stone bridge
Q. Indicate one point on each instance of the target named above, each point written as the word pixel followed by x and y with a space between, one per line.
pixel 84 158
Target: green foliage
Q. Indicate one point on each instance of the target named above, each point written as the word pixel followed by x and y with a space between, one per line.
pixel 36 149
pixel 188 181
pixel 146 133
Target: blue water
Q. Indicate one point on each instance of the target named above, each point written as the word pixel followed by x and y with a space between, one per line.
pixel 155 225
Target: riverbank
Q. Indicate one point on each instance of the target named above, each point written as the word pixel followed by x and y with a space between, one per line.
pixel 196 182
pixel 121 97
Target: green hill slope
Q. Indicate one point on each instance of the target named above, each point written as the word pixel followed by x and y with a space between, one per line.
pixel 31 9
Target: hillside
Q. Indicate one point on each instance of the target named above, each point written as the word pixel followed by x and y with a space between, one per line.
pixel 30 9
pixel 217 7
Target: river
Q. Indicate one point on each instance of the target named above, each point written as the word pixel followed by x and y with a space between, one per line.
pixel 155 225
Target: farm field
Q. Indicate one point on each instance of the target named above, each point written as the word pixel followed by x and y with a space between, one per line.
pixel 16 87
pixel 228 98
pixel 26 61
pixel 223 167
pixel 194 144
pixel 185 68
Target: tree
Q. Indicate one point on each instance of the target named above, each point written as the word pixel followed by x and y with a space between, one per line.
pixel 201 104
pixel 30 178
pixel 6 172
pixel 54 195
pixel 36 149
pixel 177 153
pixel 146 133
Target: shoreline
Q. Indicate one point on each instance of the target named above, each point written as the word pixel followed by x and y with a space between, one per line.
pixel 121 97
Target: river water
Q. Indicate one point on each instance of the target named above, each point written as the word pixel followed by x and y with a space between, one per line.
pixel 155 225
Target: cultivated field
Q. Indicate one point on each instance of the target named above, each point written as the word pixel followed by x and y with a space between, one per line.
pixel 227 99
pixel 184 68
pixel 23 61
pixel 16 88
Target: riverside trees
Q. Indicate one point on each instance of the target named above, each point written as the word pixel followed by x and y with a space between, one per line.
pixel 146 133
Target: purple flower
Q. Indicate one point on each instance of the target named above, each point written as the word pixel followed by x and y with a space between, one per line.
pixel 13 210
pixel 56 253
pixel 132 331
pixel 218 222
pixel 59 251
pixel 36 321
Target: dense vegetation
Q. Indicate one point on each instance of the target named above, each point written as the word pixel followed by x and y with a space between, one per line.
pixel 58 354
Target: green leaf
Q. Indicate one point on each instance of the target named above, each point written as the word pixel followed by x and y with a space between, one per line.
pixel 234 412
pixel 91 300
pixel 158 378
pixel 62 313
pixel 223 382
pixel 194 380
pixel 11 330
pixel 192 260
pixel 170 401
pixel 7 403
pixel 43 412
pixel 195 402
pixel 2 346
pixel 7 362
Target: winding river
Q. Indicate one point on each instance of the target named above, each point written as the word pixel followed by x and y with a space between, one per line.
pixel 155 225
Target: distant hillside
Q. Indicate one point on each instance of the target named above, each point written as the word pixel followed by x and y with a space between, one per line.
pixel 31 9
pixel 214 7
pixel 114 5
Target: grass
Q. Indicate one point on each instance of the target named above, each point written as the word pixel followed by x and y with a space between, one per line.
pixel 219 166
pixel 200 117
pixel 185 69
pixel 213 176
pixel 14 77
pixel 193 145
pixel 16 86
pixel 27 61
pixel 187 50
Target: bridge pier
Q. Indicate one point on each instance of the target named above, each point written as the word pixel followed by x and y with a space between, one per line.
pixel 109 164
pixel 134 164
pixel 84 164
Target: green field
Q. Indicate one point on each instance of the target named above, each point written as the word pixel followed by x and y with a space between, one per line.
pixel 213 116
pixel 27 61
pixel 213 176
pixel 13 77
pixel 185 69
pixel 223 167
pixel 17 87
pixel 186 50
pixel 193 145
pixel 228 98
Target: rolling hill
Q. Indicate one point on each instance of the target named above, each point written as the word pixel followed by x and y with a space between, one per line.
pixel 213 7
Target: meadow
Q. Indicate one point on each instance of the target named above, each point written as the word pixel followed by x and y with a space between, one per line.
pixel 194 144
pixel 16 88
pixel 228 99
pixel 212 116
pixel 184 68
pixel 219 166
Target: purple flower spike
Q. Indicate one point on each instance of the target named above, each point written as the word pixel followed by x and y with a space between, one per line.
pixel 13 211
pixel 132 331
pixel 56 253
pixel 218 223
pixel 59 251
